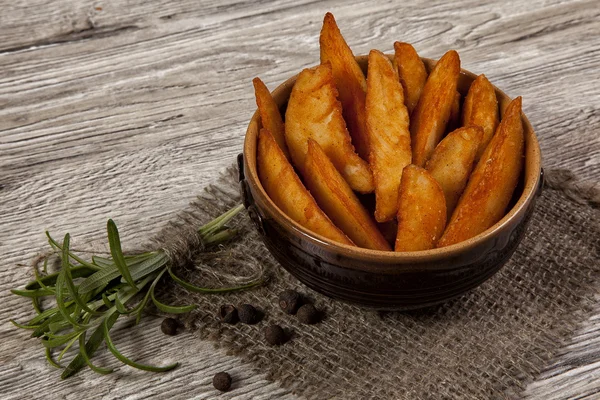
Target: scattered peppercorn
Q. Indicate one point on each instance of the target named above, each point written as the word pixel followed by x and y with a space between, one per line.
pixel 248 314
pixel 308 314
pixel 169 326
pixel 275 335
pixel 222 381
pixel 228 314
pixel 289 301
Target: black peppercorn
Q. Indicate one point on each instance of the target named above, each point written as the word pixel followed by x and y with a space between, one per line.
pixel 169 326
pixel 308 314
pixel 275 335
pixel 289 301
pixel 248 314
pixel 222 381
pixel 228 314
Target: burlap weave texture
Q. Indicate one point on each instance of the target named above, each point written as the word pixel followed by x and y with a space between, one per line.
pixel 486 344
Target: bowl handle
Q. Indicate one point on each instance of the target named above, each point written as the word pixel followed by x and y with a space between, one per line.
pixel 541 182
pixel 247 198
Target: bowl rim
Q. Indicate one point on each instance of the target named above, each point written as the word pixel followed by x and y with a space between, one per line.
pixel 532 177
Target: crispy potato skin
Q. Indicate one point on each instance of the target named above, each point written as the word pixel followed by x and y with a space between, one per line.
pixel 492 182
pixel 287 192
pixel 389 134
pixel 452 162
pixel 269 114
pixel 411 71
pixel 349 80
pixel 432 112
pixel 339 201
pixel 421 212
pixel 314 112
pixel 481 108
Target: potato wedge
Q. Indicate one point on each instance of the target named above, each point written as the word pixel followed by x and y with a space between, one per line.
pixel 454 120
pixel 421 212
pixel 429 120
pixel 452 162
pixel 481 108
pixel 269 114
pixel 314 112
pixel 338 200
pixel 349 81
pixel 389 134
pixel 492 182
pixel 411 71
pixel 283 186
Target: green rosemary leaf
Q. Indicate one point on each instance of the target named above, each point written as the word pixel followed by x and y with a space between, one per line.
pixel 81 261
pixel 116 252
pixel 218 223
pixel 98 280
pixel 120 307
pixel 60 301
pixel 59 340
pixel 36 305
pixel 83 353
pixel 51 360
pixel 106 301
pixel 45 326
pixel 22 326
pixel 102 262
pixel 66 270
pixel 32 293
pixel 148 266
pixel 171 309
pixel 131 363
pixel 164 307
pixel 79 271
pixel 91 346
pixel 67 347
pixel 141 306
pixel 48 313
pixel 135 258
pixel 58 326
pixel 220 236
pixel 198 289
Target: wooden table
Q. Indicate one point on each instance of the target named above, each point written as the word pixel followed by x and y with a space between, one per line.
pixel 127 109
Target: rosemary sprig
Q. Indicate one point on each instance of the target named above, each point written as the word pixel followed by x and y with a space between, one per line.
pixel 91 295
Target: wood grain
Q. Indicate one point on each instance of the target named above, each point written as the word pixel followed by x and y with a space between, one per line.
pixel 126 109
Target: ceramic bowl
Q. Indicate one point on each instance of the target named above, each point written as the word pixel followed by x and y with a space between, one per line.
pixel 389 280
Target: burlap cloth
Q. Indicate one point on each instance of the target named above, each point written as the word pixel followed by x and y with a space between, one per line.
pixel 486 344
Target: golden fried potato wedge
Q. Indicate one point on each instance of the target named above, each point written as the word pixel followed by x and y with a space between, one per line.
pixel 454 120
pixel 481 108
pixel 452 162
pixel 270 115
pixel 349 80
pixel 389 134
pixel 428 121
pixel 283 186
pixel 339 202
pixel 411 71
pixel 314 112
pixel 492 182
pixel 421 212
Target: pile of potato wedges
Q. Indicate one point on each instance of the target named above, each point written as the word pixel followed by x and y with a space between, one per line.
pixel 442 170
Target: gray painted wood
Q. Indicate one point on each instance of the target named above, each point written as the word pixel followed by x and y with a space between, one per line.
pixel 128 108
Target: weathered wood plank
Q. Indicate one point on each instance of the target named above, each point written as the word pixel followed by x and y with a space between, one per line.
pixel 129 110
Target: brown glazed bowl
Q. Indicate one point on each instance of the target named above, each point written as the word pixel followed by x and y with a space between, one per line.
pixel 389 280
